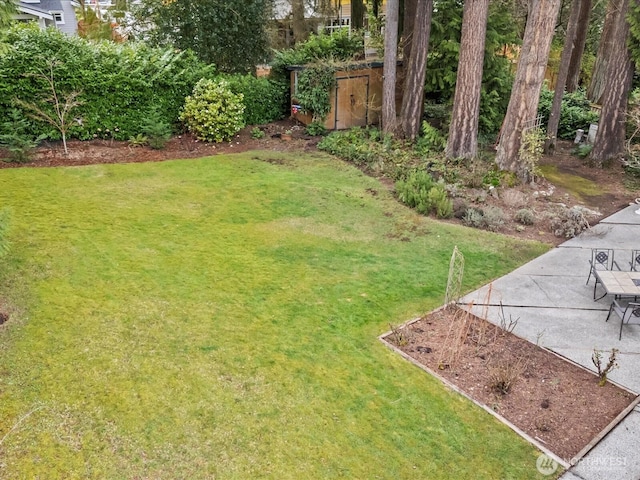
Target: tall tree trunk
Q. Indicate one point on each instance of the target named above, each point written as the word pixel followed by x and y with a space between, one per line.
pixel 413 97
pixel 410 7
pixel 357 14
pixel 599 75
pixel 375 7
pixel 563 72
pixel 525 95
pixel 609 143
pixel 389 120
pixel 463 130
pixel 573 77
pixel 299 24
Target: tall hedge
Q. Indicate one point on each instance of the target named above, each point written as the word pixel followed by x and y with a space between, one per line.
pixel 120 84
pixel 265 100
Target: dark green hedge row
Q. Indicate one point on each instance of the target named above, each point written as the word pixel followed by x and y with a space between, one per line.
pixel 120 85
pixel 265 100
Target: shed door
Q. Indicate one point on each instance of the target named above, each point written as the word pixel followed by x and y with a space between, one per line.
pixel 351 107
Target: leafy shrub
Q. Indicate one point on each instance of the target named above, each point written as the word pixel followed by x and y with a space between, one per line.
pixel 264 100
pixel 213 112
pixel 531 150
pixel 367 148
pixel 414 191
pixel 439 202
pixel 491 218
pixel 419 191
pixel 316 129
pixel 473 217
pixel 352 145
pixel 492 177
pixel 583 150
pixel 569 222
pixel 156 130
pixel 139 140
pixel 16 139
pixel 118 83
pixel 257 133
pixel 575 112
pixel 314 90
pixel 525 216
pixel 338 45
pixel 436 112
pixel 430 140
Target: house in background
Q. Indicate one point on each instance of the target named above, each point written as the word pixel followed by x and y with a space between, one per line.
pixel 50 13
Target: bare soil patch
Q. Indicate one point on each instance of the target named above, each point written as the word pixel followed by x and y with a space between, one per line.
pixel 552 400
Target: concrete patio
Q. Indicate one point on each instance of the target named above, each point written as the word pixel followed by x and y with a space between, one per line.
pixel 555 309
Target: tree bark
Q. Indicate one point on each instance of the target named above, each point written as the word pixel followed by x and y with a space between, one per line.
pixel 523 104
pixel 299 25
pixel 357 14
pixel 410 7
pixel 563 72
pixel 463 130
pixel 413 97
pixel 389 120
pixel 609 142
pixel 599 75
pixel 573 77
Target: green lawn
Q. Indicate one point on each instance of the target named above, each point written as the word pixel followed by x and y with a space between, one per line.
pixel 217 318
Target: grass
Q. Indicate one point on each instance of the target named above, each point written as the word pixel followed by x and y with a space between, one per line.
pixel 217 318
pixel 579 186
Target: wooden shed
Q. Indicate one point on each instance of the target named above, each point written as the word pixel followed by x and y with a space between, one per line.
pixel 356 100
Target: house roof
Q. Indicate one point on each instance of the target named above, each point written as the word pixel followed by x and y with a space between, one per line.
pixel 42 8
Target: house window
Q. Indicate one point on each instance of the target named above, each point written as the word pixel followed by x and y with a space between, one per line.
pixel 58 18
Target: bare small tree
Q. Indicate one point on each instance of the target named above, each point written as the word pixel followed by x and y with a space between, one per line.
pixel 56 108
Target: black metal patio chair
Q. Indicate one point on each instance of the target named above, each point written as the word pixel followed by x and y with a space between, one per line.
pixel 601 259
pixel 635 261
pixel 629 314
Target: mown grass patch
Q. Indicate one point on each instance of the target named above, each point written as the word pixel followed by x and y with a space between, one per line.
pixel 218 318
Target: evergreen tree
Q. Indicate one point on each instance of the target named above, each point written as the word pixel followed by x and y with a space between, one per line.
pixel 525 94
pixel 7 11
pixel 633 17
pixel 231 35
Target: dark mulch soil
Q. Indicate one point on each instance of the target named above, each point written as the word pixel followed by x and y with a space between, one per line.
pixel 551 399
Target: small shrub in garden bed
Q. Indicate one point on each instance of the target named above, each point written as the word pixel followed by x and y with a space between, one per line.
pixel 156 130
pixel 525 216
pixel 213 112
pixel 419 191
pixel 16 139
pixel 367 148
pixel 490 218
